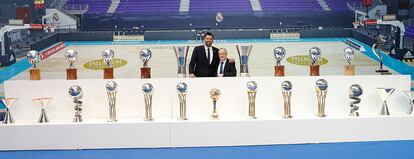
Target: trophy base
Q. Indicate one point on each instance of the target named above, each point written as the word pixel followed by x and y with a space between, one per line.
pixel 279 70
pixel 34 74
pixel 71 74
pixel 112 120
pixel 181 75
pixel 148 119
pixel 252 117
pixel 384 110
pixel 145 72
pixel 314 70
pixel 355 114
pixel 77 119
pixel 244 75
pixel 349 70
pixel 287 116
pixel 43 117
pixel 8 119
pixel 214 115
pixel 321 115
pixel 182 118
pixel 108 73
pixel 383 72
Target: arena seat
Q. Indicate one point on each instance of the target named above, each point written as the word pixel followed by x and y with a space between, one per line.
pixel 95 6
pixel 148 7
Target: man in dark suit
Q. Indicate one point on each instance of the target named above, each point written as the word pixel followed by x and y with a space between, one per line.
pixel 225 68
pixel 204 59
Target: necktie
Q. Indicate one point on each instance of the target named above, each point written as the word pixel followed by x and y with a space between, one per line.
pixel 208 55
pixel 221 67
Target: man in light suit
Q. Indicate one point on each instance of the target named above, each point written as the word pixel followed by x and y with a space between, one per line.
pixel 204 59
pixel 225 68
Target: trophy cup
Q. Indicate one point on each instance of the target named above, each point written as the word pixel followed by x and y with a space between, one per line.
pixel 71 71
pixel 244 52
pixel 287 93
pixel 43 103
pixel 321 91
pixel 145 56
pixel 410 95
pixel 34 58
pixel 279 54
pixel 111 88
pixel 181 54
pixel 215 95
pixel 147 89
pixel 348 56
pixel 354 92
pixel 108 56
pixel 251 93
pixel 376 49
pixel 182 90
pixel 385 93
pixel 315 56
pixel 76 93
pixel 8 102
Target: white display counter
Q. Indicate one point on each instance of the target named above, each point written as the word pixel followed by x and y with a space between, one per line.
pixel 233 128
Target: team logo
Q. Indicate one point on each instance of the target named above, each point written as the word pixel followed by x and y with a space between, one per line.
pixel 99 64
pixel 304 60
pixel 55 17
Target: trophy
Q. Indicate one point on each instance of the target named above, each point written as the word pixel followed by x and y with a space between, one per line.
pixel 279 54
pixel 376 49
pixel 321 91
pixel 182 90
pixel 354 92
pixel 287 93
pixel 43 103
pixel 147 89
pixel 108 56
pixel 181 54
pixel 215 95
pixel 384 94
pixel 348 56
pixel 111 88
pixel 410 95
pixel 34 58
pixel 76 93
pixel 145 56
pixel 315 56
pixel 251 93
pixel 8 102
pixel 244 52
pixel 71 71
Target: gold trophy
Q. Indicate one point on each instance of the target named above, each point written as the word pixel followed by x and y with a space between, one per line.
pixel 182 91
pixel 287 93
pixel 321 91
pixel 34 58
pixel 147 89
pixel 251 93
pixel 215 95
pixel 348 56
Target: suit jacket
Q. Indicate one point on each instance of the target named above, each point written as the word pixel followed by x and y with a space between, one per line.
pixel 229 69
pixel 199 65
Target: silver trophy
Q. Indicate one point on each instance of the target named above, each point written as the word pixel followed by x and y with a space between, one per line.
pixel 111 88
pixel 384 94
pixel 71 56
pixel 76 93
pixel 321 92
pixel 315 55
pixel 33 57
pixel 43 102
pixel 279 54
pixel 349 55
pixel 244 52
pixel 8 102
pixel 181 53
pixel 287 93
pixel 354 92
pixel 147 89
pixel 251 93
pixel 182 92
pixel 108 56
pixel 145 55
pixel 376 49
pixel 410 95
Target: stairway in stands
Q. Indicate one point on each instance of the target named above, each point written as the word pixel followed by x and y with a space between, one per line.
pixel 113 6
pixel 324 5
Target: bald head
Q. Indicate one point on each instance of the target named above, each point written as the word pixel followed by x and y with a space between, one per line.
pixel 222 54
